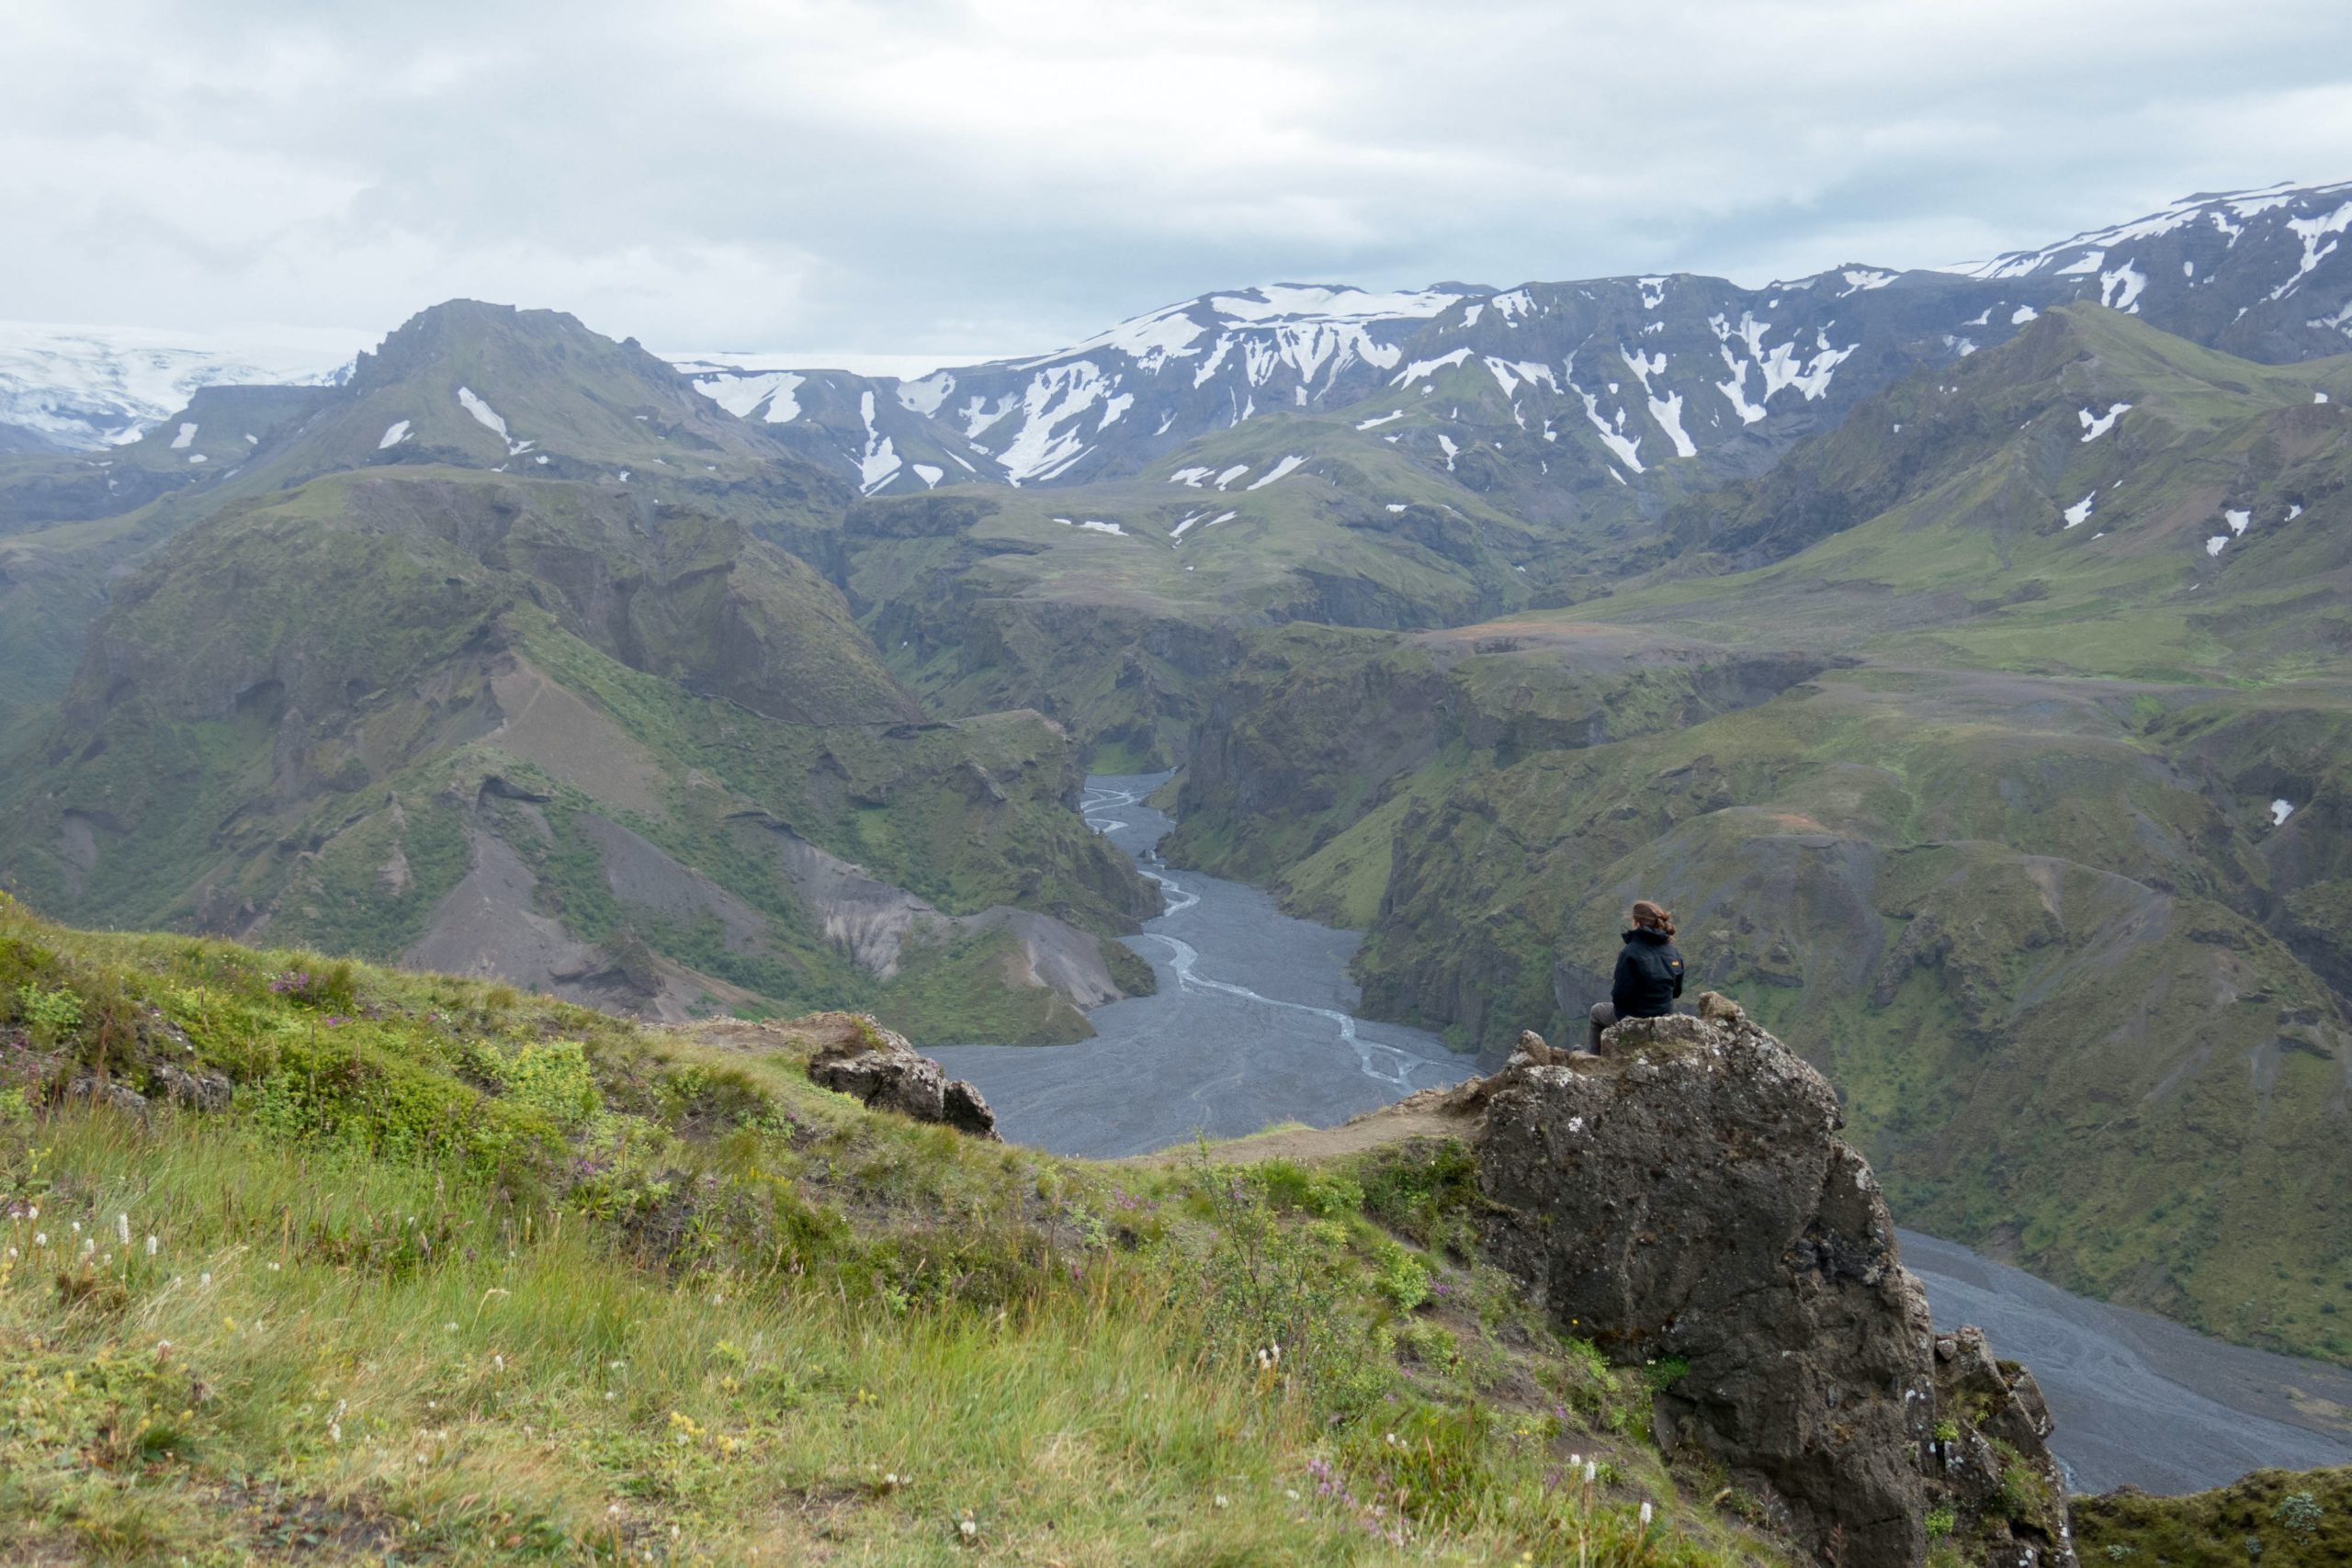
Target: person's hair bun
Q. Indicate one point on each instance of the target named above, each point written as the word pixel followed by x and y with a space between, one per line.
pixel 1656 917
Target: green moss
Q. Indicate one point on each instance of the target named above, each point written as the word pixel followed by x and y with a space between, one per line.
pixel 648 1285
pixel 2275 1517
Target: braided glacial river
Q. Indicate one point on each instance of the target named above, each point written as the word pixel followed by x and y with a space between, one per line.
pixel 1253 1023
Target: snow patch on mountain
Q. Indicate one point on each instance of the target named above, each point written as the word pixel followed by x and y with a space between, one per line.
pixel 1421 369
pixel 1055 397
pixel 742 393
pixel 2096 425
pixel 1287 466
pixel 925 397
pixel 484 415
pixel 2312 231
pixel 1511 374
pixel 89 386
pixel 2120 289
pixel 1628 451
pixel 1376 421
pixel 394 433
pixel 186 434
pixel 1668 411
pixel 879 464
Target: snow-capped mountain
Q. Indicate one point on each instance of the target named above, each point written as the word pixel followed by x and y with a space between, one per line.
pixel 1567 384
pixel 2262 274
pixel 91 387
pixel 1541 393
pixel 867 429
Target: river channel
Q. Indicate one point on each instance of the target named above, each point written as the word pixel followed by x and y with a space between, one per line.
pixel 1254 1023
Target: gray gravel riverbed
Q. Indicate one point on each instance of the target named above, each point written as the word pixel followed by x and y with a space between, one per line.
pixel 1253 1024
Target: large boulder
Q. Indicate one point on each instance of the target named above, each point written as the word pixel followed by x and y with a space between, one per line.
pixel 1684 1199
pixel 881 1070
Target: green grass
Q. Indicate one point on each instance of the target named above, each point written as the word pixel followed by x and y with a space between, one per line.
pixel 2273 1517
pixel 466 1276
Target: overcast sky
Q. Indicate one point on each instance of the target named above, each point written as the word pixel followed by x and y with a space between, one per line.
pixel 966 178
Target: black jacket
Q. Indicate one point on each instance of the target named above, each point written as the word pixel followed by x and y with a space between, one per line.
pixel 1649 976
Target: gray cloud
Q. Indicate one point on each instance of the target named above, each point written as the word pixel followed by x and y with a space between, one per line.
pixel 969 176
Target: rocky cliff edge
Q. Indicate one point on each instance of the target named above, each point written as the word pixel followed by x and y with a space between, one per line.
pixel 1684 1199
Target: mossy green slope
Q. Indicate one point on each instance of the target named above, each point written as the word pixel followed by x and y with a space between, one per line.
pixel 460 1276
pixel 2275 1517
pixel 987 599
pixel 327 712
pixel 462 384
pixel 2005 843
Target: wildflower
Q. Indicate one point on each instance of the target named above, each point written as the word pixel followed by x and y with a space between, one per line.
pixel 498 1363
pixel 450 1327
pixel 205 1280
pixel 122 1229
pixel 163 1352
pixel 1223 1501
pixel 151 1247
pixel 1591 1471
pixel 40 1238
pixel 273 1269
pixel 967 1526
pixel 1646 1516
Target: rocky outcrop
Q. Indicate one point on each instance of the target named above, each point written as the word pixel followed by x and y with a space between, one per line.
pixel 1684 1199
pixel 879 1069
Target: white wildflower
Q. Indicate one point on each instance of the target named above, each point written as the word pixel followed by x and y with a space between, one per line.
pixel 151 1247
pixel 1223 1501
pixel 969 1528
pixel 122 1229
pixel 1646 1516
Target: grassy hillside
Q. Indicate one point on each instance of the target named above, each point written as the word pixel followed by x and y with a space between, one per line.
pixel 530 728
pixel 1979 794
pixel 985 599
pixel 2279 1518
pixel 453 1274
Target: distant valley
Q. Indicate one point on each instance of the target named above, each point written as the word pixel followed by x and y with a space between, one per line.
pixel 1965 655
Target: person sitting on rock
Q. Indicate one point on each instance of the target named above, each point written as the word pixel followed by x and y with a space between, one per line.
pixel 1649 971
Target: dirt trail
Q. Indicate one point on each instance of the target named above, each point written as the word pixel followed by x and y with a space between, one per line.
pixel 1449 1112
